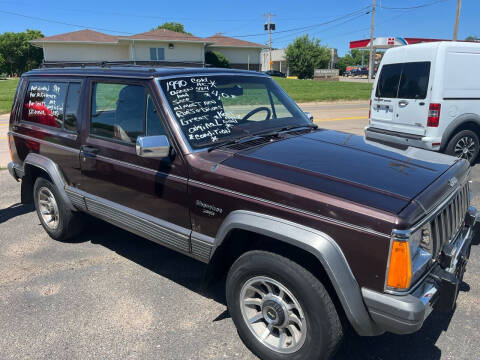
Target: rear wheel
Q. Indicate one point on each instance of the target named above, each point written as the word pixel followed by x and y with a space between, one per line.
pixel 280 309
pixel 465 145
pixel 56 218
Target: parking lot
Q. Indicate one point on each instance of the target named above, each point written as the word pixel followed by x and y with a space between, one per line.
pixel 112 295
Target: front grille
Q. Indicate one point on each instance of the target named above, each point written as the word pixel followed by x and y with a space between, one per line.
pixel 446 224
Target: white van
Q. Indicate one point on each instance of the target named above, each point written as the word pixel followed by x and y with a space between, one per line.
pixel 428 96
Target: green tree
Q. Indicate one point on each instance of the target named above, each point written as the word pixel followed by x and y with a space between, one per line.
pixel 305 55
pixel 173 26
pixel 216 59
pixel 472 38
pixel 354 57
pixel 18 54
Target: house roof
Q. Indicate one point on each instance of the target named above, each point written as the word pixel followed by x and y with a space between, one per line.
pixel 90 36
pixel 165 35
pixel 222 40
pixel 79 36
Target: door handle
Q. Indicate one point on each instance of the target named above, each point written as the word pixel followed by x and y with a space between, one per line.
pixel 90 149
pixel 403 103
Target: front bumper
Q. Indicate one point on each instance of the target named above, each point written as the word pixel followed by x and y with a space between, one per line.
pixel 405 314
pixel 15 170
pixel 395 138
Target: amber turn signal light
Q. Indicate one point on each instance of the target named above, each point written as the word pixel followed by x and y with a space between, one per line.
pixel 400 267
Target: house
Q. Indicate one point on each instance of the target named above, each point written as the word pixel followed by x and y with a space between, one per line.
pixel 241 54
pixel 156 47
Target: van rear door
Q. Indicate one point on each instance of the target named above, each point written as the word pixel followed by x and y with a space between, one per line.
pixel 400 103
pixel 383 106
pixel 412 107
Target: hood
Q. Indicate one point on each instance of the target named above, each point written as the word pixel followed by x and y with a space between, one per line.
pixel 347 166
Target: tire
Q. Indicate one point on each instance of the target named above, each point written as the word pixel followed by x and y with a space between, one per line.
pixel 62 223
pixel 317 333
pixel 464 144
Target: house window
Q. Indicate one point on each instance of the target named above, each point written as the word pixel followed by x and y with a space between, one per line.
pixel 157 54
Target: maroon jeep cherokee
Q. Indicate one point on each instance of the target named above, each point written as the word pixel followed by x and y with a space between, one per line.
pixel 309 226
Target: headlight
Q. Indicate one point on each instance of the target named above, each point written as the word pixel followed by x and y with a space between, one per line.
pixel 421 238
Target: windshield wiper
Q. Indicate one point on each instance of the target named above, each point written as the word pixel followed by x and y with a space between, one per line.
pixel 231 142
pixel 268 133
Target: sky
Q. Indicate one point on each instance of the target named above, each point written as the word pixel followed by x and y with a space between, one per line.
pixel 335 23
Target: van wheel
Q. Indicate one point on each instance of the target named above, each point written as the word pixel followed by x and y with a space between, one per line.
pixel 464 145
pixel 280 309
pixel 56 218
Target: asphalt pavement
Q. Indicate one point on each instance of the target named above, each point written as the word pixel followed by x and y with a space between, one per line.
pixel 112 295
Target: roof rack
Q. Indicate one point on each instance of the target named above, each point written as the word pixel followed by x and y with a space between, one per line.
pixel 83 64
pixel 121 63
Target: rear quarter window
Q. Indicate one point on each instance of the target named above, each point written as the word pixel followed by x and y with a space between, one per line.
pixel 44 103
pixel 53 104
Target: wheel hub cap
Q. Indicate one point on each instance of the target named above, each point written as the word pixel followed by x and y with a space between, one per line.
pixel 48 208
pixel 273 314
pixel 465 148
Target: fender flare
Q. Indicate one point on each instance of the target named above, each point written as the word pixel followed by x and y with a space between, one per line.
pixel 319 244
pixel 458 121
pixel 52 170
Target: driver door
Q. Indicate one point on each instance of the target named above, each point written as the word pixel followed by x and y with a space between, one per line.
pixel 134 191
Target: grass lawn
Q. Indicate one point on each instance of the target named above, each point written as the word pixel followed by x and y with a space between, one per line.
pixel 7 91
pixel 313 90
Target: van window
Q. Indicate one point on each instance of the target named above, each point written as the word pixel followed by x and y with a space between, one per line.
pixel 414 81
pixel 71 107
pixel 44 103
pixel 387 85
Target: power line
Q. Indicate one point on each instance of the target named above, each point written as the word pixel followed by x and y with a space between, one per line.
pixel 413 7
pixel 310 26
pixel 63 23
pixel 328 28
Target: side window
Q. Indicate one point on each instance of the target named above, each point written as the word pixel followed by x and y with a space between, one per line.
pixel 154 125
pixel 153 54
pixel 71 107
pixel 414 81
pixel 157 54
pixel 118 111
pixel 387 85
pixel 44 103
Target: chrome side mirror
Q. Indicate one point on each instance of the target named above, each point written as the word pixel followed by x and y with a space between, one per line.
pixel 156 146
pixel 309 115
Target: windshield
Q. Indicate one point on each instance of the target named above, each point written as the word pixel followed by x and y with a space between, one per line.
pixel 212 109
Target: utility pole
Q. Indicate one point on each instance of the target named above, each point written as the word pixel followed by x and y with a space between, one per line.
pixel 457 19
pixel 371 61
pixel 269 26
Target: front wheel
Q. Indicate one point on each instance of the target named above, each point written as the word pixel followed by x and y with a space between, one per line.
pixel 464 145
pixel 280 309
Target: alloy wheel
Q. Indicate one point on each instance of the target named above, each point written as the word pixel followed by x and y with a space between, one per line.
pixel 273 314
pixel 48 208
pixel 465 148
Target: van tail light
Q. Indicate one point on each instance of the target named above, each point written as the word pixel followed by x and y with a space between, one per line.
pixel 433 115
pixel 370 110
pixel 400 267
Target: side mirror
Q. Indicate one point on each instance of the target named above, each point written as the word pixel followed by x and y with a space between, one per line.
pixel 309 116
pixel 156 146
